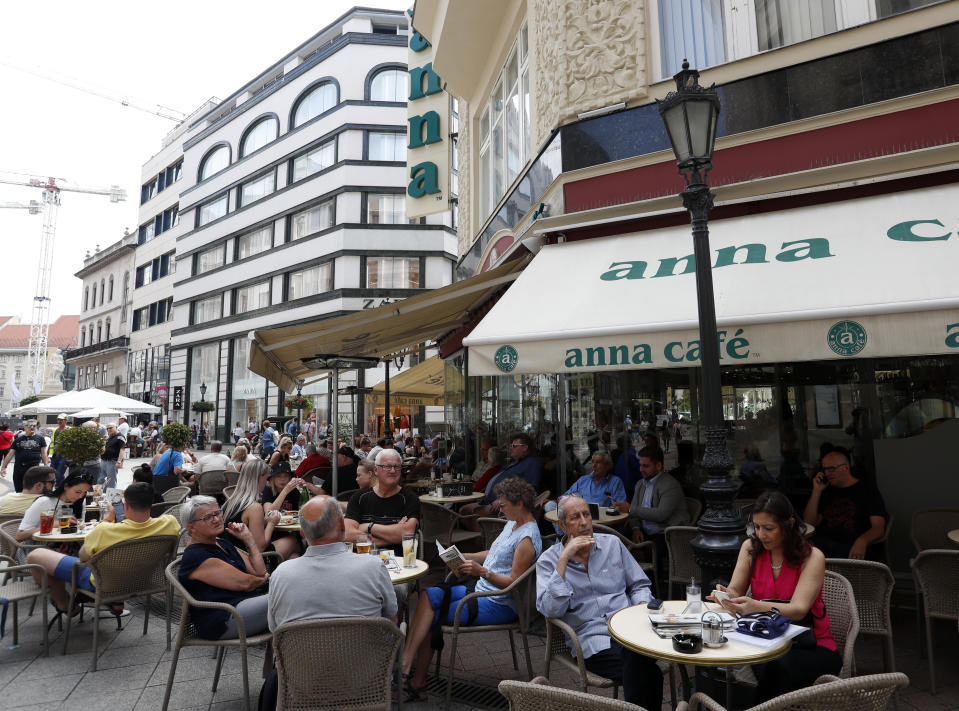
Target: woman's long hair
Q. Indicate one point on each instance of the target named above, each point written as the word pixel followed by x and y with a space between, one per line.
pixel 795 546
pixel 247 490
pixel 71 479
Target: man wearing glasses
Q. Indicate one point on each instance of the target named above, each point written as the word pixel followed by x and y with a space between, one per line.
pixel 28 450
pixel 385 511
pixel 521 465
pixel 37 481
pixel 848 514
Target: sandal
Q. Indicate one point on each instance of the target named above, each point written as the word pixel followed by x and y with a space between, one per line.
pixel 74 608
pixel 412 693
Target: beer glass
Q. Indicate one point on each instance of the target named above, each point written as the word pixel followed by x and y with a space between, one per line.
pixel 363 544
pixel 409 550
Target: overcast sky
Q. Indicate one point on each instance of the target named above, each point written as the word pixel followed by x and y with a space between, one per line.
pixel 175 53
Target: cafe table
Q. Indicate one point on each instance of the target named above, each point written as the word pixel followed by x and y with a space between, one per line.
pixel 954 536
pixel 605 517
pixel 632 629
pixel 407 575
pixel 468 498
pixel 57 537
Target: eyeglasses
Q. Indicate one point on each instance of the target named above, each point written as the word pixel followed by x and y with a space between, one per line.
pixel 49 481
pixel 389 466
pixel 830 470
pixel 209 518
pixel 517 444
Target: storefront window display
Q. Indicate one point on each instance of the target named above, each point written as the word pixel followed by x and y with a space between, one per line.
pixel 248 401
pixel 204 370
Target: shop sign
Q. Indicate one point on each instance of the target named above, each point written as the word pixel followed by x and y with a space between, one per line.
pixel 846 338
pixel 177 397
pixel 428 148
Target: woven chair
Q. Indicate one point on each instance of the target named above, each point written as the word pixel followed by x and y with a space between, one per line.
pixel 644 553
pixel 161 508
pixel 187 636
pixel 176 494
pixel 563 647
pixel 124 570
pixel 872 587
pixel 9 545
pixel 695 508
pixel 537 695
pixel 520 590
pixel 682 566
pixel 375 640
pixel 928 528
pixel 937 579
pixel 232 478
pixel 345 495
pixel 440 522
pixel 19 585
pixel 879 548
pixel 228 490
pixel 491 528
pixel 211 482
pixel 828 693
pixel 541 500
pixel 840 602
pixel 324 473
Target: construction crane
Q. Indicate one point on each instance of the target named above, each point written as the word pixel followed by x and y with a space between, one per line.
pixel 40 320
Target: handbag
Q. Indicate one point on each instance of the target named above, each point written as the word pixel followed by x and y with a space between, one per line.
pixel 807 639
pixel 768 625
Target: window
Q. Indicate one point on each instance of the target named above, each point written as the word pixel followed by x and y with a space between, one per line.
pixel 388 146
pixel 310 281
pixel 318 100
pixel 212 210
pixel 392 273
pixel 111 287
pixel 254 242
pixel 316 160
pixel 148 190
pixel 107 332
pixel 248 298
pixel 504 128
pixel 86 298
pixel 208 309
pixel 102 291
pixel 99 331
pixel 311 221
pixel 83 342
pixel 171 217
pixel 204 370
pixel 147 232
pixel 387 209
pixel 262 132
pixel 155 269
pixel 390 85
pixel 214 161
pixel 258 188
pixel 210 259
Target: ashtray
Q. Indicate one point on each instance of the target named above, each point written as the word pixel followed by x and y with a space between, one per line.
pixel 688 643
pixel 612 511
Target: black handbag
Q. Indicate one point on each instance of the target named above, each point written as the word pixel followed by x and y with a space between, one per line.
pixel 807 639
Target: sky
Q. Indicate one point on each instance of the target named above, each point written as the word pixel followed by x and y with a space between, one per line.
pixel 176 54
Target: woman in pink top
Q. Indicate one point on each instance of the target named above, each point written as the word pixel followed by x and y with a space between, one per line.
pixel 780 565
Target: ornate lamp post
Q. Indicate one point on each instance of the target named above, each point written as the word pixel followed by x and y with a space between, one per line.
pixel 202 413
pixel 690 114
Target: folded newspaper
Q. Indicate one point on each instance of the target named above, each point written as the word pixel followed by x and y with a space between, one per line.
pixel 668 620
pixel 451 556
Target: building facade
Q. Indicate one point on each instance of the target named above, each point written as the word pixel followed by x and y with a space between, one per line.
pixel 835 148
pixel 291 209
pixel 103 339
pixel 15 363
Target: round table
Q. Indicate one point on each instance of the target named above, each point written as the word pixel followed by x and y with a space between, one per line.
pixel 293 526
pixel 57 537
pixel 953 536
pixel 434 499
pixel 409 574
pixel 604 517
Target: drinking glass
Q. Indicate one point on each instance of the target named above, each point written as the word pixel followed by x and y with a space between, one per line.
pixel 409 550
pixel 63 521
pixel 363 544
pixel 46 521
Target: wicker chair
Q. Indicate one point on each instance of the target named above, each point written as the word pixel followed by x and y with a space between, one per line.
pixel 211 482
pixel 9 545
pixel 440 522
pixel 491 528
pixel 681 566
pixel 861 693
pixel 232 478
pixel 18 585
pixel 346 495
pixel 124 570
pixel 537 695
pixel 695 508
pixel 840 602
pixel 540 500
pixel 187 636
pixel 520 589
pixel 341 686
pixel 161 508
pixel 937 579
pixel 228 490
pixel 176 494
pixel 563 647
pixel 644 553
pixel 872 586
pixel 928 528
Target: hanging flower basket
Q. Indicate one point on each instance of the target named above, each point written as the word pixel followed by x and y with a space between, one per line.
pixel 203 406
pixel 298 402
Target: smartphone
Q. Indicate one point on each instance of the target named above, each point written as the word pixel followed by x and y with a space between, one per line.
pixel 118 510
pixel 720 595
pixel 318 482
pixel 654 604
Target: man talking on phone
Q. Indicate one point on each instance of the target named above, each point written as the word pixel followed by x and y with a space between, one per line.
pixel 583 580
pixel 848 513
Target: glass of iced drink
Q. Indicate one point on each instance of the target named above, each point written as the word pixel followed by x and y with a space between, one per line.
pixel 409 550
pixel 46 521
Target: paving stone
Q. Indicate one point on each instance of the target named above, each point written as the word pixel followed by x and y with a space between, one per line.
pixel 185 694
pixel 49 690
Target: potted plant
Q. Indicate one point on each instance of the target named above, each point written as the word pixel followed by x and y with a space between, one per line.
pixel 298 402
pixel 203 406
pixel 174 434
pixel 81 447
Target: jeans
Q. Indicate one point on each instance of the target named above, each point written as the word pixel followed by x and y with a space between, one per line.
pixel 60 465
pixel 108 474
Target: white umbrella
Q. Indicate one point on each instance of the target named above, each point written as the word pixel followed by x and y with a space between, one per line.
pixel 100 412
pixel 78 400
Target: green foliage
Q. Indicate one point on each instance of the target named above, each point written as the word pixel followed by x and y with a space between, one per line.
pixel 203 406
pixel 298 402
pixel 175 434
pixel 79 444
pixel 29 400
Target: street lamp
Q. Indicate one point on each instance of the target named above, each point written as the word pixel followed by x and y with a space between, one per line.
pixel 690 114
pixel 202 413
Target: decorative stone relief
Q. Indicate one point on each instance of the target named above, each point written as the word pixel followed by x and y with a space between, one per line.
pixel 547 65
pixel 464 149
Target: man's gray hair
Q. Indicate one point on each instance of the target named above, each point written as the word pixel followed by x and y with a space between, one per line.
pixel 388 453
pixel 216 445
pixel 606 459
pixel 310 448
pixel 315 530
pixel 192 505
pixel 562 502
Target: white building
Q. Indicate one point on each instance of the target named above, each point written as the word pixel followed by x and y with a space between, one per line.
pixel 15 368
pixel 292 208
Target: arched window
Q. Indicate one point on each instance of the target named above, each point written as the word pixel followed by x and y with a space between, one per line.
pixel 99 332
pixel 314 102
pixel 215 161
pixel 390 85
pixel 107 333
pixel 86 298
pixel 259 134
pixel 103 290
pixel 111 287
pixel 93 300
pixel 83 337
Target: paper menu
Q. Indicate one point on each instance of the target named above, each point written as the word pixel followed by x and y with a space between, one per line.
pixel 451 556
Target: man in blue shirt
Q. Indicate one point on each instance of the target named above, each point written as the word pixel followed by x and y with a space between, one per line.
pixel 584 579
pixel 522 465
pixel 600 486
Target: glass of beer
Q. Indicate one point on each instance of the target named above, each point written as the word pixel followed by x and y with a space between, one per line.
pixel 363 544
pixel 409 550
pixel 46 521
pixel 63 521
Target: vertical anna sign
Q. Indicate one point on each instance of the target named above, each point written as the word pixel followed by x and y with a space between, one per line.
pixel 428 145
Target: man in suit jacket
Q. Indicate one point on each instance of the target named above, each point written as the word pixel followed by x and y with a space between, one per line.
pixel 658 500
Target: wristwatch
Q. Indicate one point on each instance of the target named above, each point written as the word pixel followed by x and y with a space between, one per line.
pixel 369 529
pixel 487 574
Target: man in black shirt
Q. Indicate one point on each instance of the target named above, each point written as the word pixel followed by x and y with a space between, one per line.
pixel 28 450
pixel 112 457
pixel 385 511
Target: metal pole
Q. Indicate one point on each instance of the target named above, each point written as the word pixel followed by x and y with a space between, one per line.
pixel 335 405
pixel 387 420
pixel 561 424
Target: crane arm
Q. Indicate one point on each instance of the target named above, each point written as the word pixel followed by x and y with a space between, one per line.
pixel 33 206
pixel 115 192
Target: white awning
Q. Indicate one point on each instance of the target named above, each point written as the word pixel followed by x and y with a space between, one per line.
pixel 872 277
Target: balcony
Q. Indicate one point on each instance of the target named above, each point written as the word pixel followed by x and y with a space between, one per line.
pixel 118 342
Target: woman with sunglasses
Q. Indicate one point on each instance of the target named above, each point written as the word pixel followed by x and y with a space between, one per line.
pixel 214 570
pixel 66 497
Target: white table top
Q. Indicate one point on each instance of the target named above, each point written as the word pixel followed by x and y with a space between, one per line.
pixel 604 517
pixel 953 536
pixel 409 574
pixel 57 537
pixel 632 629
pixel 433 499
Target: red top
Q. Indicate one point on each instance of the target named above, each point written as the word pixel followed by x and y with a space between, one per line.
pixel 312 462
pixel 765 587
pixel 6 439
pixel 481 483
